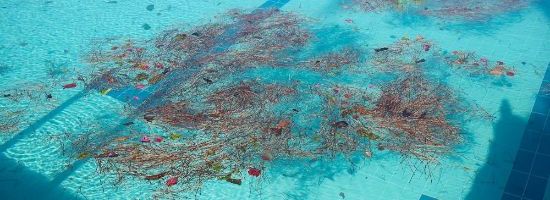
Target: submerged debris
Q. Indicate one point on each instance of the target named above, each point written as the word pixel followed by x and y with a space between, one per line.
pixel 381 49
pixel 146 26
pixel 254 172
pixel 203 82
pixel 172 181
pixel 466 10
pixel 70 85
pixel 341 194
pixel 340 124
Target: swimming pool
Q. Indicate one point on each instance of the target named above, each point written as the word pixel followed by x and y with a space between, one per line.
pixel 496 65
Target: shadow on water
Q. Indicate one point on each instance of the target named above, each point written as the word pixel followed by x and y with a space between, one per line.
pixel 544 6
pixel 18 182
pixel 308 175
pixel 491 178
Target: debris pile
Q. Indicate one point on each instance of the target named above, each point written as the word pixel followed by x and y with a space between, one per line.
pixel 207 119
pixel 467 10
pixel 471 10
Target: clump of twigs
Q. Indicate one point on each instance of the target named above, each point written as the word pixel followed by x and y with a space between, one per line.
pixel 412 115
pixel 17 101
pixel 471 10
pixel 334 60
pixel 405 55
pixel 26 92
pixel 10 120
pixel 227 108
pixel 410 56
pixel 237 41
pixel 468 10
pixel 234 123
pixel 239 129
pixel 476 65
pixel 374 5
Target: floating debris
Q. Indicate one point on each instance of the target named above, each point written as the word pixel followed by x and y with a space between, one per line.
pixel 341 124
pixel 156 176
pixel 175 136
pixel 467 10
pixel 145 139
pixel 254 172
pixel 381 49
pixel 70 85
pixel 208 80
pixel 128 123
pixel 233 120
pixel 105 91
pixel 107 154
pixel 234 181
pixel 146 26
pixel 149 117
pixel 172 181
pixel 420 61
pixel 83 155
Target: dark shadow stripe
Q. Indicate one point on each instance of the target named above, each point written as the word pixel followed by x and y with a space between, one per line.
pixel 37 124
pixel 531 170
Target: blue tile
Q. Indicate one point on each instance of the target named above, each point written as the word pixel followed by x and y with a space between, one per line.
pixel 544 146
pixel 426 197
pixel 546 130
pixel 535 188
pixel 509 197
pixel 536 122
pixel 516 183
pixel 544 91
pixel 523 161
pixel 541 166
pixel 542 105
pixel 530 140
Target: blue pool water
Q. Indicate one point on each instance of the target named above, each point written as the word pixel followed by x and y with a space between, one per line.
pixel 504 158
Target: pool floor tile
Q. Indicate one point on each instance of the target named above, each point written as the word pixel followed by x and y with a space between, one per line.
pixel 509 197
pixel 546 130
pixel 523 161
pixel 542 105
pixel 536 122
pixel 541 166
pixel 544 146
pixel 535 188
pixel 530 141
pixel 516 183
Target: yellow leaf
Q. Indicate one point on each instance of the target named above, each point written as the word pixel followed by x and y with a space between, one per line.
pixel 175 136
pixel 83 155
pixel 105 91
